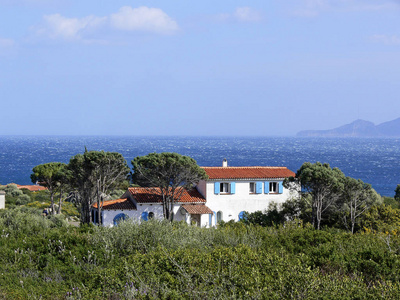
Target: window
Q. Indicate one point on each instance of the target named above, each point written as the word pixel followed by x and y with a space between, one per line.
pixel 273 187
pixel 224 187
pixel 151 215
pixel 119 218
pixel 255 187
pixel 144 216
pixel 252 188
pixel 219 216
pixel 242 215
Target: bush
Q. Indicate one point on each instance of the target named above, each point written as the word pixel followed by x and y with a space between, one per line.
pixel 45 258
pixel 23 199
pixel 12 190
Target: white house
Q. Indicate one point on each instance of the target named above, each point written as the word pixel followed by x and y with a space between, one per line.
pixel 142 204
pixel 230 191
pixel 2 200
pixel 225 196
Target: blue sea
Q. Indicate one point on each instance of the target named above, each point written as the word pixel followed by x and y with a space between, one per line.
pixel 375 161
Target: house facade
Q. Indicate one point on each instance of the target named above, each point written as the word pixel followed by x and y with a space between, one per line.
pixel 142 204
pixel 225 196
pixel 230 191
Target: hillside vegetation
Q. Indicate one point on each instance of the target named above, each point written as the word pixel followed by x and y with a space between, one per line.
pixel 45 258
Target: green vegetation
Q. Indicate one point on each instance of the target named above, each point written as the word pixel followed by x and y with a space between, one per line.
pixel 330 196
pixel 171 173
pixel 397 193
pixel 45 258
pixel 92 176
pixel 53 176
pixel 16 198
pixel 276 254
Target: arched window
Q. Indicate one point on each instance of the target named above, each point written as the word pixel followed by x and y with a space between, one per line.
pixel 151 215
pixel 119 218
pixel 219 216
pixel 242 215
pixel 145 216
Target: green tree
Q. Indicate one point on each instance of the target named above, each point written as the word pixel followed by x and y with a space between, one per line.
pixel 323 183
pixel 53 177
pixel 93 175
pixel 169 174
pixel 397 193
pixel 382 218
pixel 357 197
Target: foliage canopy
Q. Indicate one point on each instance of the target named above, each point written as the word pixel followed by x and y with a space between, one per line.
pixel 169 173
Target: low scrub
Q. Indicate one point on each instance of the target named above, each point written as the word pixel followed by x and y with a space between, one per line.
pixel 45 258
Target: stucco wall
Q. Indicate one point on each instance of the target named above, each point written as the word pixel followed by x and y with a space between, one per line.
pixel 232 204
pixel 2 200
pixel 136 215
pixel 201 187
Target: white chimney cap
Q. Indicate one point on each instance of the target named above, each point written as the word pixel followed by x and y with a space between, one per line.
pixel 225 162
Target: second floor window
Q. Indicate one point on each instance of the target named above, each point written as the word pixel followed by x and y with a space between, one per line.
pixel 224 187
pixel 273 187
pixel 252 188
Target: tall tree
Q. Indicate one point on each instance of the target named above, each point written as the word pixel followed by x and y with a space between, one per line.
pixel 397 193
pixel 169 174
pixel 357 197
pixel 53 177
pixel 323 183
pixel 93 175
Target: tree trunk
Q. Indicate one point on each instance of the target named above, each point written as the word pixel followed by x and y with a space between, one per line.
pixel 59 205
pixel 52 203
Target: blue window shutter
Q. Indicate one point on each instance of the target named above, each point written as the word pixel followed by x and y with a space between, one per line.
pixel 280 191
pixel 216 187
pixel 258 187
pixel 210 219
pixel 118 218
pixel 145 216
pixel 266 187
pixel 233 187
pixel 242 215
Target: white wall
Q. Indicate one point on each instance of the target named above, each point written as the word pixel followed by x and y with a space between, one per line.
pixel 136 215
pixel 232 204
pixel 2 200
pixel 202 188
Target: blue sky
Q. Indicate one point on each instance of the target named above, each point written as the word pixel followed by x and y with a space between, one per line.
pixel 248 68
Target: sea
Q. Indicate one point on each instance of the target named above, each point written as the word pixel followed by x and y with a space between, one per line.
pixel 375 161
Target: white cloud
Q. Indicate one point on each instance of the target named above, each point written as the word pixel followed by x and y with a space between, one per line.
pixel 57 26
pixel 386 39
pixel 127 18
pixel 143 19
pixel 241 14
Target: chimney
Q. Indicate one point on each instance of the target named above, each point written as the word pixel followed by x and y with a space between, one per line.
pixel 224 163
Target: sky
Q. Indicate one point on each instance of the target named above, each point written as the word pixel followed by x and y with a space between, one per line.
pixel 196 68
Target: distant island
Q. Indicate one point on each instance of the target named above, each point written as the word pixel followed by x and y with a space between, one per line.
pixel 358 128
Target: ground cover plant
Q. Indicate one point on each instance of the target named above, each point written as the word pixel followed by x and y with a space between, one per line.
pixel 45 258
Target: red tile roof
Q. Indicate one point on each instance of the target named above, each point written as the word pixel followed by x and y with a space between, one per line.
pixel 197 209
pixel 247 172
pixel 152 195
pixel 32 188
pixel 117 204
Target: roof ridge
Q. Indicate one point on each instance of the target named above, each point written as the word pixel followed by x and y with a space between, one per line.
pixel 119 199
pixel 250 167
